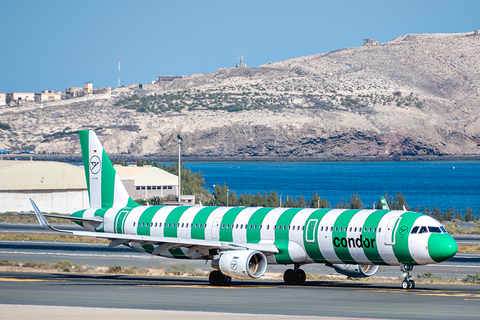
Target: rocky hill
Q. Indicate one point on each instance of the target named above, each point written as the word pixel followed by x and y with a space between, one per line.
pixel 415 96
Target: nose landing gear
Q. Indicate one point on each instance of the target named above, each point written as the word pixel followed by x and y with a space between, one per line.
pixel 407 283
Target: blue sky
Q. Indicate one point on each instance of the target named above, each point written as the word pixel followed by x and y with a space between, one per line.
pixel 58 44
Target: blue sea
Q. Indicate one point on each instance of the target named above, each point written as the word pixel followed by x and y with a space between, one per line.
pixel 424 184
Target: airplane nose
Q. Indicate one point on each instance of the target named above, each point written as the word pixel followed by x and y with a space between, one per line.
pixel 441 247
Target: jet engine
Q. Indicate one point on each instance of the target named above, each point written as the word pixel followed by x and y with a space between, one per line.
pixel 354 270
pixel 242 264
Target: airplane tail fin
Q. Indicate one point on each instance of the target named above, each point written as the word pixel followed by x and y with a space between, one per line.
pixel 384 203
pixel 105 189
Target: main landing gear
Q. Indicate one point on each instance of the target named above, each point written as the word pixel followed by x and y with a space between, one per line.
pixel 407 283
pixel 295 276
pixel 217 278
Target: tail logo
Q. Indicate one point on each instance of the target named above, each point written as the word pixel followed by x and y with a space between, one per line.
pixel 95 164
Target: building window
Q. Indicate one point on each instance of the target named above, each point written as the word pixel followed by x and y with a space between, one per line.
pixel 169 187
pixel 149 188
pixel 138 188
pixel 143 187
pixel 154 188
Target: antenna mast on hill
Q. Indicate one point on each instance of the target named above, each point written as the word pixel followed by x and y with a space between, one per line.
pixel 118 70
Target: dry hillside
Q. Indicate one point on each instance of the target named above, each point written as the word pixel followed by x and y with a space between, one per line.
pixel 417 95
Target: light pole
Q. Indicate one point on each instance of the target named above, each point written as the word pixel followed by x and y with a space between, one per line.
pixel 227 197
pixel 280 200
pixel 179 167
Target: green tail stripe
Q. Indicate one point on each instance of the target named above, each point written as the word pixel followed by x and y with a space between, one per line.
pixel 108 181
pixel 313 248
pixel 256 220
pixel 226 234
pixel 171 223
pixel 282 235
pixel 400 249
pixel 201 218
pixel 372 223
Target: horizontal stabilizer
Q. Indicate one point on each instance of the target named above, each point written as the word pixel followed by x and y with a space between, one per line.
pixel 91 220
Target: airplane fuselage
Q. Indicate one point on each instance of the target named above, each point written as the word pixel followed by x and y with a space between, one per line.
pixel 335 236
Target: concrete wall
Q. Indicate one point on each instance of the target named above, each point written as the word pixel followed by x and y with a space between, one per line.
pixel 58 201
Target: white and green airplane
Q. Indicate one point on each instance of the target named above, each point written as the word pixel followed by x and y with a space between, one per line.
pixel 241 241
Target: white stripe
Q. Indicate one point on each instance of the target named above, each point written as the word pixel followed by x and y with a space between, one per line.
pixel 160 217
pixel 132 217
pixel 240 234
pixel 217 213
pixel 325 240
pixel 357 221
pixel 187 217
pixel 268 233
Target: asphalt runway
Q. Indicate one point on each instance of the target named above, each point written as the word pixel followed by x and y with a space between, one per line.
pixel 325 299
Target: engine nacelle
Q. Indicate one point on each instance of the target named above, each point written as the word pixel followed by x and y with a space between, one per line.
pixel 242 264
pixel 355 270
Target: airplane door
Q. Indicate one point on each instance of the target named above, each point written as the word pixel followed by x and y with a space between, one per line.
pixel 216 228
pixel 310 235
pixel 390 232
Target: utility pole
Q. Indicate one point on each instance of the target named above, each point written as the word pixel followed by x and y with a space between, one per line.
pixel 118 70
pixel 280 200
pixel 227 196
pixel 179 167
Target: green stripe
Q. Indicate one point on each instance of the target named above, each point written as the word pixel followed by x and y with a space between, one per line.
pixel 146 217
pixel 401 250
pixel 108 181
pixel 100 213
pixel 120 218
pixel 254 223
pixel 313 248
pixel 226 234
pixel 173 218
pixel 79 214
pixel 282 235
pixel 86 157
pixel 148 247
pixel 372 223
pixel 341 223
pixel 178 253
pixel 201 218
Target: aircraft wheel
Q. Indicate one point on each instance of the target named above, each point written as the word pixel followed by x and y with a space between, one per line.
pixel 405 284
pixel 216 278
pixel 301 277
pixel 411 284
pixel 289 277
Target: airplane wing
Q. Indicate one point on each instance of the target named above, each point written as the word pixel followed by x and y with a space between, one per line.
pixel 164 243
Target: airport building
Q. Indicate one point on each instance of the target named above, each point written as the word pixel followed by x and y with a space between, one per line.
pixel 61 187
pixel 54 186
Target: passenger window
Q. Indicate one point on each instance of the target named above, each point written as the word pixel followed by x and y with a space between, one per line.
pixel 183 224
pixel 303 228
pixel 355 230
pixel 331 228
pixel 268 226
pixel 379 230
pixel 336 228
pixel 350 229
pixel 160 225
pixel 364 229
pixel 374 229
pixel 369 229
pixel 241 226
pixel 260 227
pixel 134 224
pixel 228 226
pixel 298 228
pixel 423 229
pixel 414 230
pixel 201 224
pixel 223 226
pixel 321 228
pixel 236 226
pixel 143 223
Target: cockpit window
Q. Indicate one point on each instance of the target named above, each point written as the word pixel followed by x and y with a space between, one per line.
pixel 415 229
pixel 443 229
pixel 423 229
pixel 434 229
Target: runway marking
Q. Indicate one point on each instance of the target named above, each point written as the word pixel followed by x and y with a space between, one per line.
pixel 23 280
pixel 198 286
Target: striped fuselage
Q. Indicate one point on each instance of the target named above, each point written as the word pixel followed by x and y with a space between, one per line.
pixel 379 237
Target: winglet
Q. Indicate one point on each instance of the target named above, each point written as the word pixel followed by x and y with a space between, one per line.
pixel 43 222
